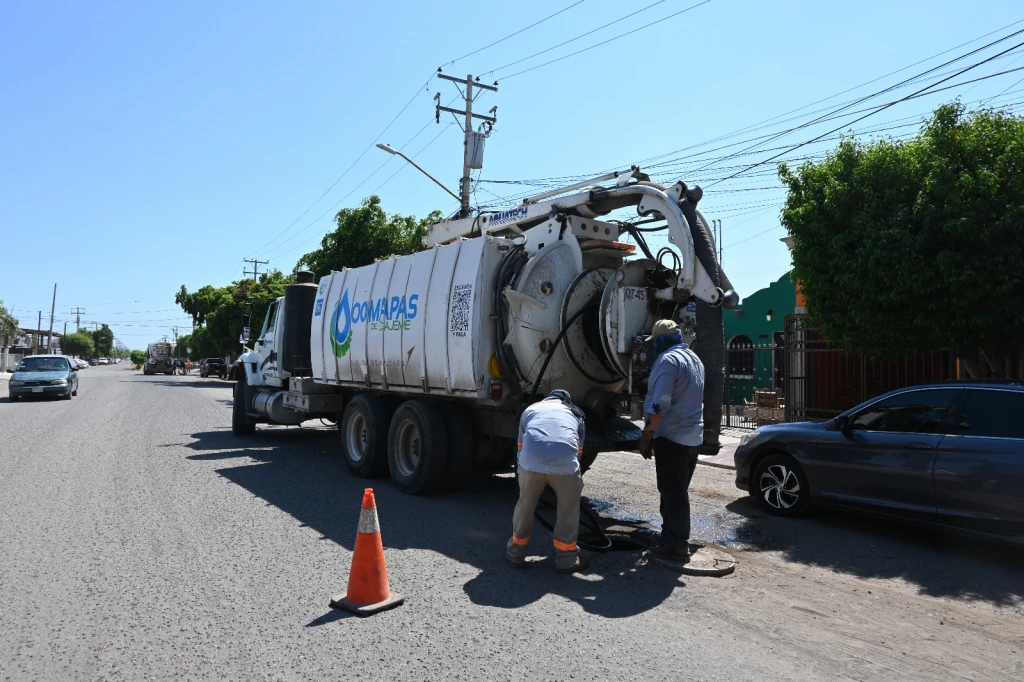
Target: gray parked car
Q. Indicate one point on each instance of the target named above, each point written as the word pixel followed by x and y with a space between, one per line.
pixel 44 375
pixel 948 454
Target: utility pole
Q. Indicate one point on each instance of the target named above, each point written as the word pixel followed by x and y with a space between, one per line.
pixel 49 336
pixel 473 157
pixel 78 317
pixel 255 266
pixel 39 324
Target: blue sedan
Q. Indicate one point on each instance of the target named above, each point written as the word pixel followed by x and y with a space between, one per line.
pixel 44 375
pixel 947 454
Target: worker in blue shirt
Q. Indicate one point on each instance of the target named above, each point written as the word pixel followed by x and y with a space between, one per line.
pixel 674 421
pixel 551 435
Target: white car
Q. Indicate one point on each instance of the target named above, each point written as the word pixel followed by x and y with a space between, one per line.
pixel 82 364
pixel 104 361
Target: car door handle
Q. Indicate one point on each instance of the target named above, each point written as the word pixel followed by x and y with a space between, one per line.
pixel 919 446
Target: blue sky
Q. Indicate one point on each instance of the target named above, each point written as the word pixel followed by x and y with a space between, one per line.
pixel 149 146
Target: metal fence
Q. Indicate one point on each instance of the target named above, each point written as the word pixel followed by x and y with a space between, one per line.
pixel 799 376
pixel 754 381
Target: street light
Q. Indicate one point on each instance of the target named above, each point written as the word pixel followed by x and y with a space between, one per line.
pixel 768 315
pixel 391 150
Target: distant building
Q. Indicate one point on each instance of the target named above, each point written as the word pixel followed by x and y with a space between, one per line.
pixel 754 340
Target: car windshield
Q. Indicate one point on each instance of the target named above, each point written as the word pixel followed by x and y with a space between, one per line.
pixel 42 365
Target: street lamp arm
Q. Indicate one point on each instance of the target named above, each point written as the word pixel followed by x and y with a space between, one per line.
pixel 392 150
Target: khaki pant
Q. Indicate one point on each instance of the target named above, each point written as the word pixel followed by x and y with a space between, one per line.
pixel 568 489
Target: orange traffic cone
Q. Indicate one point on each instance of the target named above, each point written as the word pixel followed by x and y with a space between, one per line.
pixel 368 590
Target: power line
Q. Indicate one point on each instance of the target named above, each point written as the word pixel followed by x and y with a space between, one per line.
pixel 351 166
pixel 512 35
pixel 572 40
pixel 609 40
pixel 872 113
pixel 422 149
pixel 903 83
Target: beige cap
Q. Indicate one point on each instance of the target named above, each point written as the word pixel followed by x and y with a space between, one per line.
pixel 662 327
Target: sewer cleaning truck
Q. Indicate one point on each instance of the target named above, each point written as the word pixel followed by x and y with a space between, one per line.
pixel 426 361
pixel 158 359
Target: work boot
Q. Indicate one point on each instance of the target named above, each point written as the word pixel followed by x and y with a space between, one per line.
pixel 582 564
pixel 515 562
pixel 679 554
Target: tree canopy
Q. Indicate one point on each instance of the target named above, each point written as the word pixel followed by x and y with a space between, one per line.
pixel 364 234
pixel 219 312
pixel 78 344
pixel 102 339
pixel 916 245
pixel 361 236
pixel 138 357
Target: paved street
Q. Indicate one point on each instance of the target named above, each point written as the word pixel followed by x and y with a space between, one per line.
pixel 142 540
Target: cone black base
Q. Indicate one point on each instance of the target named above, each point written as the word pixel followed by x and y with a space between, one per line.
pixel 340 602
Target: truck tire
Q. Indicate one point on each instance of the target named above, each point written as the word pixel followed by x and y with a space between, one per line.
pixel 417 448
pixel 364 436
pixel 458 423
pixel 241 423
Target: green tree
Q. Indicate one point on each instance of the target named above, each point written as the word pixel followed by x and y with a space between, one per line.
pixel 221 312
pixel 916 245
pixel 8 326
pixel 138 357
pixel 103 339
pixel 81 345
pixel 364 234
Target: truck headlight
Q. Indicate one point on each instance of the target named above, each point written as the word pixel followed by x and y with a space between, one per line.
pixel 59 382
pixel 746 438
pixel 17 383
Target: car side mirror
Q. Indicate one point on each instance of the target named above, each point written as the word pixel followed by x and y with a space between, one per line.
pixel 843 423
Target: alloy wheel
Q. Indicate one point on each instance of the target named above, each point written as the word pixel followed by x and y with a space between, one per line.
pixel 780 486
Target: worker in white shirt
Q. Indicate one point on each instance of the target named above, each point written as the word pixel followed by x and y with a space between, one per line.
pixel 551 435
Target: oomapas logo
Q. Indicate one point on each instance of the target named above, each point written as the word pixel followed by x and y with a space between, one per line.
pixel 383 314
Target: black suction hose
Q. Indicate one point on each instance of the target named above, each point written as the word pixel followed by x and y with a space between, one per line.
pixel 593 522
pixel 554 347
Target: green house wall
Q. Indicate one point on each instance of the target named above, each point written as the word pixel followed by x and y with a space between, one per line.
pixel 749 319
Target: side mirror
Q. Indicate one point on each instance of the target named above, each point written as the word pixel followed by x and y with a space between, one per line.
pixel 843 423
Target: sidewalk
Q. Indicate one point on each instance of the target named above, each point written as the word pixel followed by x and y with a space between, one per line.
pixel 730 440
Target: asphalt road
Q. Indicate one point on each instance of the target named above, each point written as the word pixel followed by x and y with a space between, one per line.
pixel 141 540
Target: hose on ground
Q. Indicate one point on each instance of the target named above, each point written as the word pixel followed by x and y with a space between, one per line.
pixel 592 523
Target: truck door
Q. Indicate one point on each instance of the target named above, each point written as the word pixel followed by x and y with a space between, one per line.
pixel 265 343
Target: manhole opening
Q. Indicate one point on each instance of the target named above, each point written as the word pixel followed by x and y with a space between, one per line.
pixel 626 545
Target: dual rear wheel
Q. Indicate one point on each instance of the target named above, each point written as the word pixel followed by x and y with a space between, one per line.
pixel 426 446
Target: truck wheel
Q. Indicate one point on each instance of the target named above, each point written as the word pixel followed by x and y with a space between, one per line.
pixel 364 436
pixel 458 423
pixel 241 423
pixel 417 448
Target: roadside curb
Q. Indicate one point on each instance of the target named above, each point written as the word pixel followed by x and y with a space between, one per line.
pixel 723 460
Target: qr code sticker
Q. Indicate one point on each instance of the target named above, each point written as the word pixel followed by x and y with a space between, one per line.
pixel 460 309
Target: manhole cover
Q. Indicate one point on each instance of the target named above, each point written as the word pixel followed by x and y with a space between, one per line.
pixel 704 560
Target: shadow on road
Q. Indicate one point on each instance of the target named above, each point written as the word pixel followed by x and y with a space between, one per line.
pixel 939 563
pixel 300 471
pixel 198 383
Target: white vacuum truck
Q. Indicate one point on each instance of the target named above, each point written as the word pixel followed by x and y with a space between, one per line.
pixel 426 361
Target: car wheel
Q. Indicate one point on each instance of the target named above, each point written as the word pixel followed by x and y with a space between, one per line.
pixel 364 436
pixel 67 396
pixel 74 392
pixel 779 486
pixel 417 448
pixel 241 423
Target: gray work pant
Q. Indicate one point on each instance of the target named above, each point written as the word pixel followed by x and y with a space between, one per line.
pixel 568 489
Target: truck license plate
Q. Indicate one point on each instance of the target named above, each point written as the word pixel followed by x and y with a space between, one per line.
pixel 37 390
